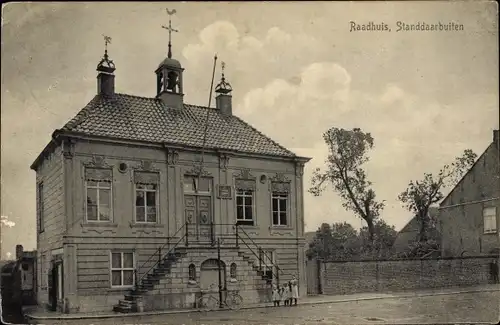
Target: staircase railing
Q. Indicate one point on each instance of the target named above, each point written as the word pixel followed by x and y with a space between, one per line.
pixel 240 235
pixel 158 253
pixel 261 253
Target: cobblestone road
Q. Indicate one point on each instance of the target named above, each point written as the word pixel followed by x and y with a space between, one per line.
pixel 467 307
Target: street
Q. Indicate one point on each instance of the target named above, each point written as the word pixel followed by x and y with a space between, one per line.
pixel 466 307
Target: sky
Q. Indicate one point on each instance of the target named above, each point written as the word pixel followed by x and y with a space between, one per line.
pixel 296 69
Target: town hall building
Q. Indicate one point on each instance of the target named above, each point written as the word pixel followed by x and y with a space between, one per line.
pixel 137 198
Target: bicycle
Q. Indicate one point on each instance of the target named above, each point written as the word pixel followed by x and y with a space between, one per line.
pixel 209 302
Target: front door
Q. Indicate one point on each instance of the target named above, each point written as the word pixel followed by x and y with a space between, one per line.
pixel 198 213
pixel 53 287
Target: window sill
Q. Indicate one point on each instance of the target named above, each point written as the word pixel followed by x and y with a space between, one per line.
pixel 145 225
pixel 281 228
pixel 491 232
pixel 192 283
pixel 93 224
pixel 248 226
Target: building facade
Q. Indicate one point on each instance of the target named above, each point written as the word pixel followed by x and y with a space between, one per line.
pixel 469 215
pixel 136 202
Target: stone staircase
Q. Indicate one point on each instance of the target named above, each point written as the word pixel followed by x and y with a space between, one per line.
pixel 167 285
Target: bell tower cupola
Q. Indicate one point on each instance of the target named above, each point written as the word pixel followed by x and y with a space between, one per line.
pixel 223 100
pixel 106 69
pixel 169 74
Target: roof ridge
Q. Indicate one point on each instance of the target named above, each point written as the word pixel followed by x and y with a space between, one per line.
pixel 135 96
pixel 265 136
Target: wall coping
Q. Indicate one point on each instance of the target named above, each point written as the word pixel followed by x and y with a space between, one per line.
pixel 416 259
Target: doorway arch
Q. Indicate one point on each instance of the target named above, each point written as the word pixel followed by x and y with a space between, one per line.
pixel 209 275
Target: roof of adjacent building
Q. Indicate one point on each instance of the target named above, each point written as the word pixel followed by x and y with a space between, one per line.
pixel 409 233
pixel 122 116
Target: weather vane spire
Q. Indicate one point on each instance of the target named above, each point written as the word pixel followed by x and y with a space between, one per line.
pixel 170 30
pixel 107 40
pixel 223 87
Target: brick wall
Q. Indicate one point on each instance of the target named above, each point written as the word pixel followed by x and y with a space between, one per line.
pixel 398 275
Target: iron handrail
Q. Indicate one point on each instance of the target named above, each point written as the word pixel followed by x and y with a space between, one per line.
pixel 260 259
pixel 262 251
pixel 159 253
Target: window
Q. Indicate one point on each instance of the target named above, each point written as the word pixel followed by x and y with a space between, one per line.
pixel 122 269
pixel 98 187
pixel 268 261
pixel 192 272
pixel 244 207
pixel 280 208
pixel 146 197
pixel 39 208
pixel 145 202
pixel 232 272
pixel 490 220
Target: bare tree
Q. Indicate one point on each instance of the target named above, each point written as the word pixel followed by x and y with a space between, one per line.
pixel 421 195
pixel 347 153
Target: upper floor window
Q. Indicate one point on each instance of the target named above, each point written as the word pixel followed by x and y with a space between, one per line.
pixel 39 208
pixel 244 207
pixel 280 209
pixel 279 203
pixel 490 220
pixel 122 269
pixel 146 197
pixel 245 190
pixel 195 184
pixel 98 183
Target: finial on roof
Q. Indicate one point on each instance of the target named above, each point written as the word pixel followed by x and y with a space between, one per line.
pixel 223 87
pixel 106 65
pixel 170 30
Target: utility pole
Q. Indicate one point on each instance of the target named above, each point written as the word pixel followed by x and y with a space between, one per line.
pixel 1 226
pixel 220 273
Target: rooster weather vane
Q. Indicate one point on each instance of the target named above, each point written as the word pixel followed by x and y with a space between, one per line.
pixel 106 62
pixel 170 30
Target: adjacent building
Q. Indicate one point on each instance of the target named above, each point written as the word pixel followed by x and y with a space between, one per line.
pixel 410 232
pixel 469 215
pixel 137 196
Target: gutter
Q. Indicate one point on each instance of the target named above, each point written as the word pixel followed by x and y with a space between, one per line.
pixel 55 140
pixel 467 203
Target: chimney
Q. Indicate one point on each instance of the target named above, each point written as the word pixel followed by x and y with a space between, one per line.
pixel 105 84
pixel 19 251
pixel 223 101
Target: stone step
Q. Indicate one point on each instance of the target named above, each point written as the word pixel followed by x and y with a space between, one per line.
pixel 125 303
pixel 122 309
pixel 132 297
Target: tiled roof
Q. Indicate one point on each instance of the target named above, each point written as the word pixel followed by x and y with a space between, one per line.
pixel 148 119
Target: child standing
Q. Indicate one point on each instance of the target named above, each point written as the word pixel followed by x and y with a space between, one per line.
pixel 276 296
pixel 285 294
pixel 294 290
